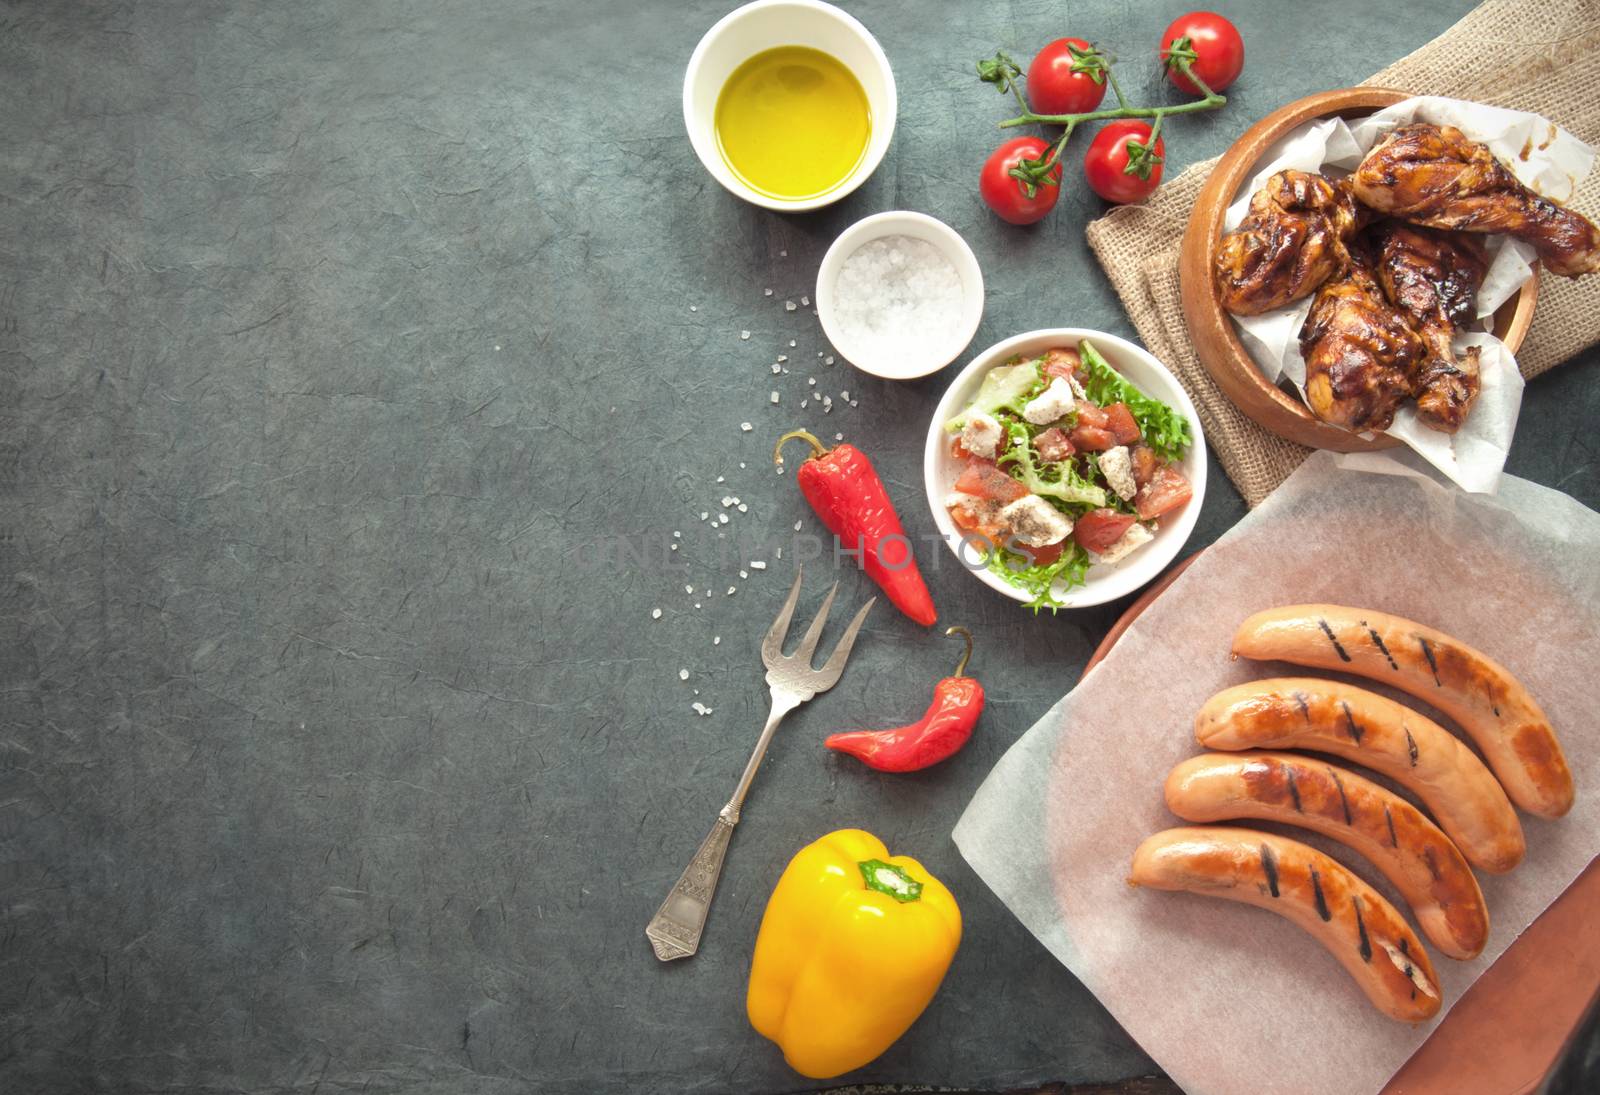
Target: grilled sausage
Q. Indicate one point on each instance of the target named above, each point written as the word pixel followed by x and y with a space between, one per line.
pixel 1469 686
pixel 1330 717
pixel 1343 913
pixel 1408 848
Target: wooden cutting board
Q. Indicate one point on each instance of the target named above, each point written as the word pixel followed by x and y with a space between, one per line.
pixel 1512 1026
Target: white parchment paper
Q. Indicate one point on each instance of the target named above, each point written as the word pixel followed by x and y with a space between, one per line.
pixel 1542 155
pixel 1228 998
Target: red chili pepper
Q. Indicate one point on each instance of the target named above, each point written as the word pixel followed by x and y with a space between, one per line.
pixel 847 494
pixel 938 735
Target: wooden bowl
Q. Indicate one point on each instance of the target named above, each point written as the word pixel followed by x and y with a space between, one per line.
pixel 1216 339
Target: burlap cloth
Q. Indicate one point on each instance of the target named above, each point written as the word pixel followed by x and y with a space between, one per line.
pixel 1536 55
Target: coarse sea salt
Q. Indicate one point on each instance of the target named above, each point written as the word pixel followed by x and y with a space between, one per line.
pixel 897 297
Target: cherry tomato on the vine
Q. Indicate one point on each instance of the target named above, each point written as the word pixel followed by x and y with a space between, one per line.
pixel 1066 77
pixel 1118 159
pixel 1008 195
pixel 1218 50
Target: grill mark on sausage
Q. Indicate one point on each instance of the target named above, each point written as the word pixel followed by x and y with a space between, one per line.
pixel 1377 641
pixel 1343 801
pixel 1431 861
pixel 1361 927
pixel 1411 747
pixel 1294 789
pixel 1316 895
pixel 1433 663
pixel 1305 708
pixel 1344 655
pixel 1269 867
pixel 1388 819
pixel 1350 721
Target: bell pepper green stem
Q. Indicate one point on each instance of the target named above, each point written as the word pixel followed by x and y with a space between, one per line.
pixel 890 879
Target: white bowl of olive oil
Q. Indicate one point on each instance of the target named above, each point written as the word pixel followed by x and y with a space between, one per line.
pixel 790 104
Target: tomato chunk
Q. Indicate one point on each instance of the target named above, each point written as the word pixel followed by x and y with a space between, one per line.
pixel 1100 528
pixel 1145 463
pixel 1093 438
pixel 1054 445
pixel 1044 556
pixel 1091 415
pixel 1119 420
pixel 987 481
pixel 1167 490
pixel 1063 362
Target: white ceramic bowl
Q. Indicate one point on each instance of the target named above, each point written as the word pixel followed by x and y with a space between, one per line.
pixel 768 24
pixel 917 226
pixel 1106 582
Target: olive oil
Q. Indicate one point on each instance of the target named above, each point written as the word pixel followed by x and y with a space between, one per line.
pixel 793 122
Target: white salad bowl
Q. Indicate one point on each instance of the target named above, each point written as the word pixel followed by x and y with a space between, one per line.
pixel 1105 581
pixel 768 24
pixel 918 226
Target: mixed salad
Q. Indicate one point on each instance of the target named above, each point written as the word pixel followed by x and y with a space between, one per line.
pixel 1067 465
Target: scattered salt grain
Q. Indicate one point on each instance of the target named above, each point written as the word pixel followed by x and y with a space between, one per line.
pixel 731 590
pixel 805 302
pixel 655 614
pixel 744 507
pixel 744 574
pixel 828 360
pixel 741 463
pixel 766 292
pixel 723 517
pixel 845 394
pixel 692 308
pixel 854 403
pixel 783 254
pixel 776 369
pixel 837 437
pixel 811 380
pixel 780 552
pixel 897 297
pixel 757 564
pixel 774 397
pixel 683 674
pixel 697 603
pixel 720 479
pixel 688 589
pixel 700 708
pixel 798 523
pixel 793 344
pixel 788 306
pixel 782 358
pixel 804 403
pixel 674 547
pixel 704 515
pixel 744 336
pixel 746 427
pixel 676 535
pixel 716 640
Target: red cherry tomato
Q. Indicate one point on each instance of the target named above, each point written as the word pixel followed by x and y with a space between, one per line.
pixel 1007 195
pixel 1060 82
pixel 1218 49
pixel 1106 164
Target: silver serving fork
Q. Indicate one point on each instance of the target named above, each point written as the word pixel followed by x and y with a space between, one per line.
pixel 675 930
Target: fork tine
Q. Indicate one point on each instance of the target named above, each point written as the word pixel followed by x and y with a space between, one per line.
pixel 772 645
pixel 808 645
pixel 828 675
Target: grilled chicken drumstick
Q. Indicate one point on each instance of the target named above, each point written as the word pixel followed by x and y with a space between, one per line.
pixel 1292 240
pixel 1434 175
pixel 1360 352
pixel 1433 277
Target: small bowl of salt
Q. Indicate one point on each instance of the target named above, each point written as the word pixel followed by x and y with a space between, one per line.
pixel 899 295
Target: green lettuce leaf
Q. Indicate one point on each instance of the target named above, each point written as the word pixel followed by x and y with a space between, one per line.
pixel 1060 481
pixel 1019 570
pixel 1164 429
pixel 1005 388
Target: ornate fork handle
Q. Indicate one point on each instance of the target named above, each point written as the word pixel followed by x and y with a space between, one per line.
pixel 675 930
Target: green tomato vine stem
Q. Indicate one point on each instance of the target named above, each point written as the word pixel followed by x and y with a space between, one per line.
pixel 1031 173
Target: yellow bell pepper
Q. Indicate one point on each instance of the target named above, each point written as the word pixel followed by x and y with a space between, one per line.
pixel 852 948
